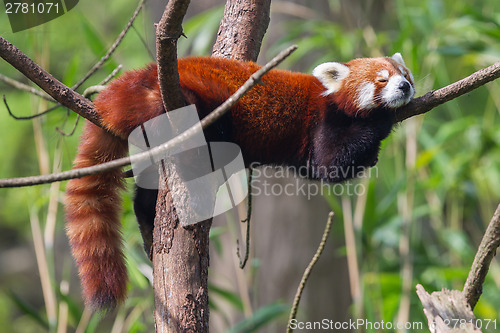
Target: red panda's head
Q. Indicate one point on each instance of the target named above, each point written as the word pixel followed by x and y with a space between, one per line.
pixel 364 84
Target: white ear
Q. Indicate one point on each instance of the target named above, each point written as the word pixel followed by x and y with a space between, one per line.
pixel 398 58
pixel 331 75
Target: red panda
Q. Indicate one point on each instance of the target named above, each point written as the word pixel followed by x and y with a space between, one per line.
pixel 335 118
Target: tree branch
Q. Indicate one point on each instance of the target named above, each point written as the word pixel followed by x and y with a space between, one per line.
pixel 168 31
pixel 434 98
pixel 491 241
pixel 61 93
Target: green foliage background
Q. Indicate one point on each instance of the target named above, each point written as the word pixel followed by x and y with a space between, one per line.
pixel 423 216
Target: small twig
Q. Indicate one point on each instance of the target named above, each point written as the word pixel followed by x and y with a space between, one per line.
pixel 21 118
pixel 157 151
pixel 93 90
pixel 28 117
pixel 112 49
pixel 144 43
pixel 72 130
pixel 249 186
pixel 247 220
pixel 491 241
pixel 52 108
pixel 111 76
pixel 307 272
pixel 101 85
pixel 21 86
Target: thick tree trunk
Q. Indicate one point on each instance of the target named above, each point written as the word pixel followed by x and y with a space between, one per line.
pixel 180 265
pixel 242 29
pixel 181 254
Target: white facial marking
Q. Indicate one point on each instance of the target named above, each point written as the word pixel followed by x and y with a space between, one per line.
pixel 331 75
pixel 402 70
pixel 394 97
pixel 384 74
pixel 366 96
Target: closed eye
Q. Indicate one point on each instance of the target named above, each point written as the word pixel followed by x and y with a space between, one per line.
pixel 383 80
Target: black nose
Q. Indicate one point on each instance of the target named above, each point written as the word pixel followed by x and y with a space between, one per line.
pixel 404 86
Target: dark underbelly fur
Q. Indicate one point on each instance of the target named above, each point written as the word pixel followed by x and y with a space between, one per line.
pixel 341 147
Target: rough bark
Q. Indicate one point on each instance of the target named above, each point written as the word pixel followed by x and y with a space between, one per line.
pixel 168 31
pixel 181 254
pixel 180 268
pixel 242 29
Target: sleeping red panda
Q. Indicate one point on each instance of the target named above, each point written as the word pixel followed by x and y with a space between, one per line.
pixel 333 119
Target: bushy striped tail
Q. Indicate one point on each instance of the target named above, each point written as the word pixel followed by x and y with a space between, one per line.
pixel 93 206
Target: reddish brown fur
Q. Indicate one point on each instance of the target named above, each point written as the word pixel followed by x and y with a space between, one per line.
pixel 93 202
pixel 93 222
pixel 273 123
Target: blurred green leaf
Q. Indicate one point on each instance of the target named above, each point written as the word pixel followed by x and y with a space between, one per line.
pixel 70 77
pixel 260 317
pixel 231 297
pixel 28 310
pixel 92 38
